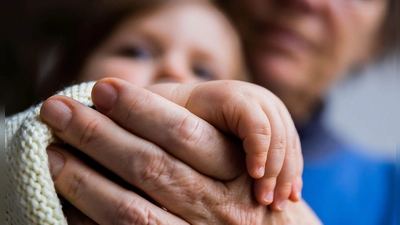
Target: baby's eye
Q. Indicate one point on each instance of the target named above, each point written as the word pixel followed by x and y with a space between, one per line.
pixel 203 72
pixel 139 53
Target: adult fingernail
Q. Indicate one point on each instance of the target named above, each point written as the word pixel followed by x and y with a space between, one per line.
pixel 56 114
pixel 56 163
pixel 104 96
pixel 282 205
pixel 269 197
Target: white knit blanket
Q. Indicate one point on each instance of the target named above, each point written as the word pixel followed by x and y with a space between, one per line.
pixel 30 194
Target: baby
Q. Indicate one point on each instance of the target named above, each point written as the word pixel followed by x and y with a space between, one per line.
pixel 192 42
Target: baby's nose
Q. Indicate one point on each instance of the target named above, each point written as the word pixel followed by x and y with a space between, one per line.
pixel 174 69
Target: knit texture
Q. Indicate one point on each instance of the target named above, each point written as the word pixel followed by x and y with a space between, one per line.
pixel 30 194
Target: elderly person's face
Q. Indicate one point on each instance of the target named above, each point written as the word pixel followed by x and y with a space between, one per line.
pixel 299 47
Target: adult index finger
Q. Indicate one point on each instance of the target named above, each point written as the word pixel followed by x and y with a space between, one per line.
pixel 140 163
pixel 100 199
pixel 170 126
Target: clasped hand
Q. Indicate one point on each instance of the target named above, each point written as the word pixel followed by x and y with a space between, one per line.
pixel 179 160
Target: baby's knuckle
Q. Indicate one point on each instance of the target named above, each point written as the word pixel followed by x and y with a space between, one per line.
pixel 270 179
pixel 272 172
pixel 286 186
pixel 277 154
pixel 280 145
pixel 264 132
pixel 291 155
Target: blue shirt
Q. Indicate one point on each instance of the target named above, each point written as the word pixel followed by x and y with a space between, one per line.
pixel 342 186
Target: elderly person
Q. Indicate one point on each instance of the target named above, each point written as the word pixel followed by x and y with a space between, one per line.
pixel 298 49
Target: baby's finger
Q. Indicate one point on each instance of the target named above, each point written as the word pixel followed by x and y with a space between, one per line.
pixel 286 178
pixel 284 182
pixel 275 158
pixel 295 194
pixel 264 190
pixel 265 186
pixel 268 188
pixel 298 184
pixel 255 131
pixel 294 147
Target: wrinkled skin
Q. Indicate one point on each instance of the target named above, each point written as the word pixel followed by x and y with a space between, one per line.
pixel 183 191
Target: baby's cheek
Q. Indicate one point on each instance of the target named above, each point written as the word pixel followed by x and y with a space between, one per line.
pixel 123 68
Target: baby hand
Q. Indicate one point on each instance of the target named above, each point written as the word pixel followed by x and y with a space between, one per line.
pixel 262 122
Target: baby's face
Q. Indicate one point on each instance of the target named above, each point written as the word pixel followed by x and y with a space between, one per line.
pixel 187 42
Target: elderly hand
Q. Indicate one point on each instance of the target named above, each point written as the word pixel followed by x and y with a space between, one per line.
pixel 130 140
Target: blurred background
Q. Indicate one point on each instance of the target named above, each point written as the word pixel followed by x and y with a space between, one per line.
pixel 355 103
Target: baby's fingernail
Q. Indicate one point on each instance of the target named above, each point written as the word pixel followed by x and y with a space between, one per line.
pixel 269 197
pixel 282 205
pixel 298 195
pixel 56 114
pixel 104 96
pixel 261 171
pixel 299 184
pixel 56 163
